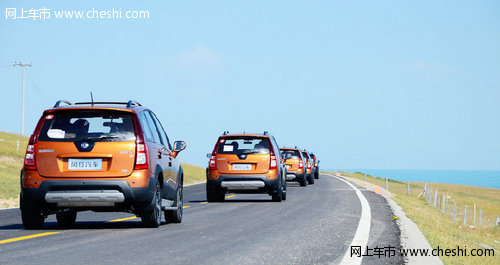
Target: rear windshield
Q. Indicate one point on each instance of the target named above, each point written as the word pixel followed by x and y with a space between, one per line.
pixel 97 125
pixel 243 145
pixel 295 154
pixel 306 156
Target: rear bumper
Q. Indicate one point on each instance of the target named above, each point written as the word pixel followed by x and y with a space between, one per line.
pixel 88 194
pixel 243 184
pixel 294 176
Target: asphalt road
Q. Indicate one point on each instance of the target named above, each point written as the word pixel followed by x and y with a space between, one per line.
pixel 315 225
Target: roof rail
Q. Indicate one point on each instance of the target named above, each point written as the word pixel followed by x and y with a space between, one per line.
pixel 58 103
pixel 133 102
pixel 225 133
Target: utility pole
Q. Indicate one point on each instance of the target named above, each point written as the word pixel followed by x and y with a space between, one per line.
pixel 23 65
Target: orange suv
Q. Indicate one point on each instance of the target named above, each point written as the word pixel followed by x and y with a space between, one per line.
pixel 295 166
pixel 100 156
pixel 246 163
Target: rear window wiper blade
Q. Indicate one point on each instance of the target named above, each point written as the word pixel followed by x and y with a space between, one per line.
pixel 101 137
pixel 253 152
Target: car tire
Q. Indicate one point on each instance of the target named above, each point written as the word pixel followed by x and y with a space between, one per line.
pixel 175 216
pixel 66 219
pixel 151 217
pixel 215 196
pixel 283 195
pixel 303 181
pixel 316 175
pixel 31 215
pixel 277 195
pixel 310 180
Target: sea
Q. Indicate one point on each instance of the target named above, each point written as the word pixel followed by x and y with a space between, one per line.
pixel 481 178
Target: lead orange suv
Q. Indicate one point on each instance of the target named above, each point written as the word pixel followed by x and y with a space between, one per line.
pixel 295 166
pixel 246 163
pixel 100 156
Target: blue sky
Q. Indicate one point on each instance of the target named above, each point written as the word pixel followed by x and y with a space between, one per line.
pixel 363 84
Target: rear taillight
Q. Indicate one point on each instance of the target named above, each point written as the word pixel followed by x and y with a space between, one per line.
pixel 141 154
pixel 274 163
pixel 141 149
pixel 308 164
pixel 212 164
pixel 301 164
pixel 30 157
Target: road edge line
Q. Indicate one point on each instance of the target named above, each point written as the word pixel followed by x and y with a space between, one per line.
pixel 363 230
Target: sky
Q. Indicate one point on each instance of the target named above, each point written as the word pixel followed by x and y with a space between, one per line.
pixel 362 84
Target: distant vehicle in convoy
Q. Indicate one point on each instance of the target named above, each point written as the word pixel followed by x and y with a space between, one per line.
pixel 295 165
pixel 315 166
pixel 100 156
pixel 245 163
pixel 309 174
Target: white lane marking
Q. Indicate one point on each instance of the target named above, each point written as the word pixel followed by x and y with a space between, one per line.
pixel 362 232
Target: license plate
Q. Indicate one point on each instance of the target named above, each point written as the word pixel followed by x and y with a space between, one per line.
pixel 84 164
pixel 242 167
pixel 287 166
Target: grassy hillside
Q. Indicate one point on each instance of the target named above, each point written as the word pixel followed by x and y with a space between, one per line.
pixel 11 162
pixel 439 228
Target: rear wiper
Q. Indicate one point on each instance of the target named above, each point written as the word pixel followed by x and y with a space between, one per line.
pixel 101 137
pixel 251 152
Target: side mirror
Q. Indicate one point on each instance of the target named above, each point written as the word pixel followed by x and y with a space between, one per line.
pixel 178 146
pixel 209 155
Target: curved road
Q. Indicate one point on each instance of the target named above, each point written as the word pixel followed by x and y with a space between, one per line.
pixel 315 225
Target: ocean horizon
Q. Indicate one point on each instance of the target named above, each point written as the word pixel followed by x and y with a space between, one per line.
pixel 480 178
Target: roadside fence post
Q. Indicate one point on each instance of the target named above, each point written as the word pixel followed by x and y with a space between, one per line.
pixel 386 184
pixel 465 215
pixel 365 177
pixel 408 187
pixel 443 205
pixel 480 217
pixel 474 214
pixel 17 148
pixel 454 210
pixel 498 221
pixel 436 198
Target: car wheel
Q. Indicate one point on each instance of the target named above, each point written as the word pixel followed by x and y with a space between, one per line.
pixel 316 175
pixel 214 196
pixel 303 181
pixel 175 216
pixel 31 216
pixel 277 195
pixel 310 180
pixel 152 216
pixel 66 219
pixel 283 195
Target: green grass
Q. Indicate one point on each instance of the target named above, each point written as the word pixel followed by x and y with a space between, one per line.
pixel 193 174
pixel 11 163
pixel 439 228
